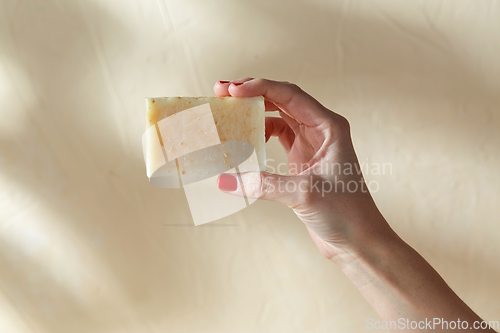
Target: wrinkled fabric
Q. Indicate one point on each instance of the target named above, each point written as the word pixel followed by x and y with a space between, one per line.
pixel 88 245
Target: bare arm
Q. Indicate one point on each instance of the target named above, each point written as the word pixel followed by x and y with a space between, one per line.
pixel 400 285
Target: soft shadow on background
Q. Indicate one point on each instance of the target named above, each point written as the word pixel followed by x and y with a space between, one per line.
pixel 83 241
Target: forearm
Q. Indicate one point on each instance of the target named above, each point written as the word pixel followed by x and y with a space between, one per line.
pixel 399 283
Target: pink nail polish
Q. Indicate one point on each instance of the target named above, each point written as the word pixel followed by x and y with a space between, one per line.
pixel 227 182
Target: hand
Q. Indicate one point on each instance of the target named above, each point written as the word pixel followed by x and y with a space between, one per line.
pixel 325 187
pixel 342 219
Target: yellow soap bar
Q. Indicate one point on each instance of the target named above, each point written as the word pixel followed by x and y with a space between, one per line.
pixel 222 126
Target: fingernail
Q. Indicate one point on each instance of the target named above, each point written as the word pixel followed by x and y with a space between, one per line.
pixel 238 83
pixel 227 182
pixel 222 82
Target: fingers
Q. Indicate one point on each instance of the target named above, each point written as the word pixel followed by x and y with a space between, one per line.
pixel 294 125
pixel 270 106
pixel 221 90
pixel 288 97
pixel 263 185
pixel 220 87
pixel 278 127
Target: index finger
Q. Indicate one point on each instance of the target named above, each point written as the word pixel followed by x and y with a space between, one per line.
pixel 287 96
pixel 220 87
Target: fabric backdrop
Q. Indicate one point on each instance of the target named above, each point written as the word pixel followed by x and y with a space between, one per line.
pixel 87 245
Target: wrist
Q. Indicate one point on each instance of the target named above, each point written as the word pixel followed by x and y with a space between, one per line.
pixel 372 243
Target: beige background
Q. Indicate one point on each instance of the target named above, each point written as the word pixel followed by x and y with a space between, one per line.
pixel 83 241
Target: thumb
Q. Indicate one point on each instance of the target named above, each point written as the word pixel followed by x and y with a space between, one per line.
pixel 262 185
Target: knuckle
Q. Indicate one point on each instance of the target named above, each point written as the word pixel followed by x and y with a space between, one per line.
pixel 295 88
pixel 258 186
pixel 344 124
pixel 260 81
pixel 263 182
pixel 271 185
pixel 341 125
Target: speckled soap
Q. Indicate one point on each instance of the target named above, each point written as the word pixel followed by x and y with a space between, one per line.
pixel 236 120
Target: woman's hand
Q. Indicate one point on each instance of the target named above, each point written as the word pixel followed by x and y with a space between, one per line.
pixel 325 187
pixel 342 219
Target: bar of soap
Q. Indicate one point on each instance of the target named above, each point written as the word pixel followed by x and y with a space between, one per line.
pixel 204 135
